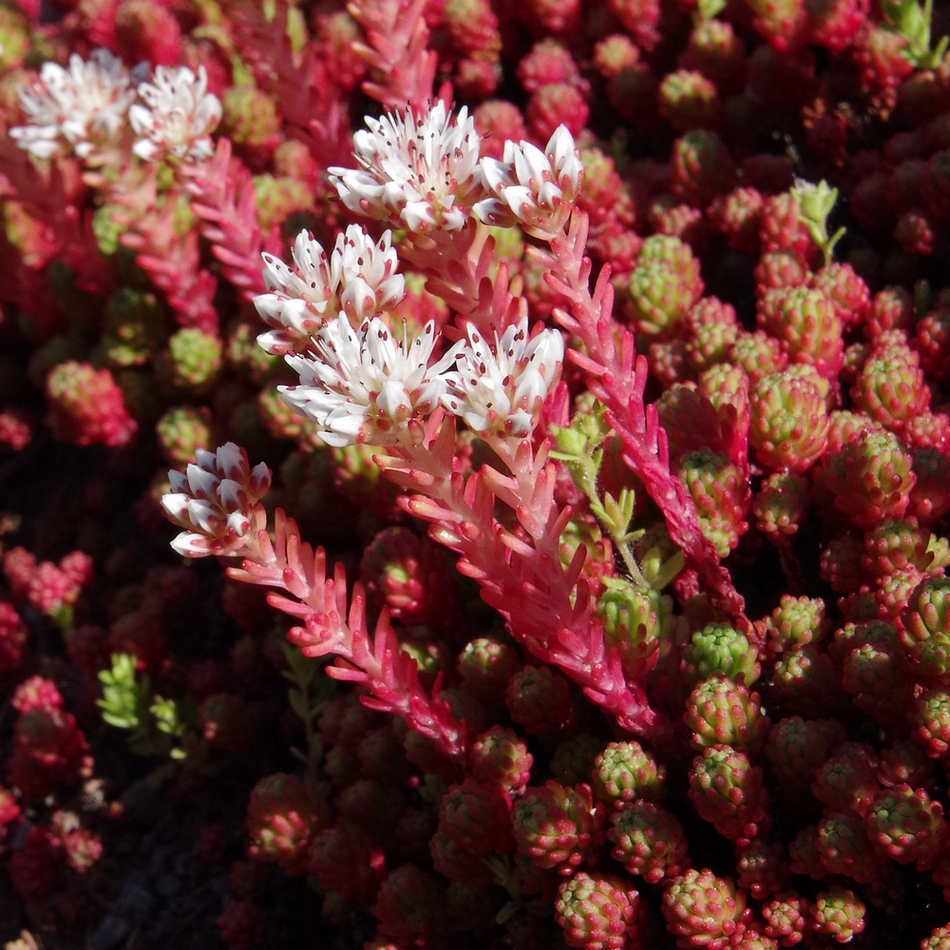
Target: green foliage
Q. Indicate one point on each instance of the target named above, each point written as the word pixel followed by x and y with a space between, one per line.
pixel 64 617
pixel 708 9
pixel 912 22
pixel 660 560
pixel 580 448
pixel 156 725
pixel 816 203
pixel 169 721
pixel 106 229
pixel 309 689
pixel 121 695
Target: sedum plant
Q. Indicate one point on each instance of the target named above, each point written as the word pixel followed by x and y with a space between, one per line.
pixel 580 483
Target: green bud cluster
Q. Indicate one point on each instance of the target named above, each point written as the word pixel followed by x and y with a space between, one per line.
pixel 194 358
pixel 720 648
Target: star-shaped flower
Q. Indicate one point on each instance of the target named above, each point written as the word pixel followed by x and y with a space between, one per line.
pixel 365 385
pixel 417 172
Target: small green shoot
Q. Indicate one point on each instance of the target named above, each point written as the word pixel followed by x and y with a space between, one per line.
pixel 580 448
pixel 709 9
pixel 121 703
pixel 156 726
pixel 816 203
pixel 308 691
pixel 912 22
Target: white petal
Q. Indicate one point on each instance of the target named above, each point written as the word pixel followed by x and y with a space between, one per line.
pixel 206 460
pixel 518 198
pixel 146 150
pixel 492 211
pixel 229 494
pixel 563 151
pixel 140 118
pixel 231 461
pixel 259 481
pixel 358 298
pixel 275 343
pixel 189 544
pixel 176 504
pixel 203 484
pixel 237 524
pixel 393 399
pixel 497 175
pixel 531 164
pixel 203 515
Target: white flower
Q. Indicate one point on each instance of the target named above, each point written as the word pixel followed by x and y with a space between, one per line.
pixel 83 107
pixel 359 277
pixel 363 385
pixel 500 392
pixel 212 501
pixel 537 189
pixel 178 116
pixel 419 172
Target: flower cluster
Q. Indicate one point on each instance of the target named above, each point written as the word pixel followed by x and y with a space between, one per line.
pixel 85 109
pixel 177 118
pixel 418 171
pixel 500 391
pixel 358 277
pixel 212 500
pixel 537 189
pixel 423 172
pixel 78 108
pixel 365 385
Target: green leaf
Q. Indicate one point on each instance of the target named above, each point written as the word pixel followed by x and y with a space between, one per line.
pixel 62 616
pixel 165 713
pixel 117 720
pixel 303 670
pixel 816 203
pixel 298 703
pixel 913 22
pixel 908 19
pixel 121 695
pixel 619 511
pixel 708 9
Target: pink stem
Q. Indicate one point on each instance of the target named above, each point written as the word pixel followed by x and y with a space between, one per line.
pixel 617 377
pixel 328 628
pixel 521 574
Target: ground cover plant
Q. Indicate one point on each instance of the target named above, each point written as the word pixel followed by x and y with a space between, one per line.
pixel 474 475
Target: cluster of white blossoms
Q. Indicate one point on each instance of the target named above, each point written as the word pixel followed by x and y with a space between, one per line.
pixel 78 109
pixel 87 107
pixel 328 313
pixel 212 499
pixel 358 277
pixel 178 117
pixel 367 386
pixel 419 172
pixel 534 188
pixel 423 172
pixel 499 391
pixel 358 381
